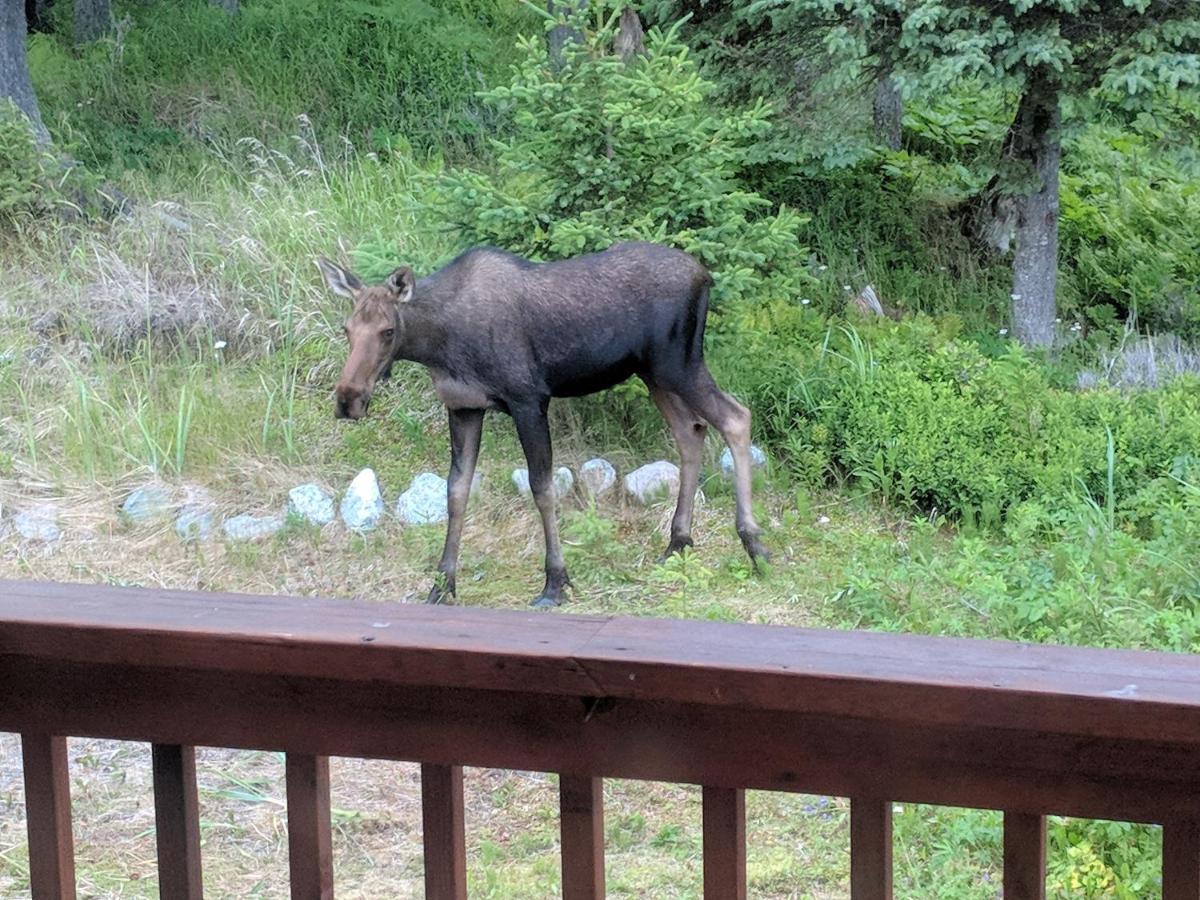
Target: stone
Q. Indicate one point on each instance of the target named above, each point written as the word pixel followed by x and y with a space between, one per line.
pixel 311 503
pixel 38 524
pixel 194 523
pixel 362 506
pixel 597 476
pixel 424 503
pixel 562 478
pixel 758 459
pixel 150 501
pixel 653 481
pixel 251 528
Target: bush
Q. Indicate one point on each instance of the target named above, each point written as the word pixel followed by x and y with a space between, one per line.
pixel 24 168
pixel 926 420
pixel 1131 230
pixel 604 151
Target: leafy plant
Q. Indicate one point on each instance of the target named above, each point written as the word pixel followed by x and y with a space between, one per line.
pixel 604 150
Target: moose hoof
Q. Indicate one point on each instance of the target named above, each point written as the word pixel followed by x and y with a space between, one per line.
pixel 544 601
pixel 440 594
pixel 756 550
pixel 677 545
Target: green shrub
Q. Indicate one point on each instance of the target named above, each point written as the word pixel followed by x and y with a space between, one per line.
pixel 1131 233
pixel 603 151
pixel 24 168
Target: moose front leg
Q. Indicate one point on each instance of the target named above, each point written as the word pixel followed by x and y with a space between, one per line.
pixel 466 426
pixel 533 429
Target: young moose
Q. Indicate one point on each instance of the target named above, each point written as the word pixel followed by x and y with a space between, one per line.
pixel 499 332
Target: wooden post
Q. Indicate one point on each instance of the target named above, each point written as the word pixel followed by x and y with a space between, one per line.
pixel 1024 856
pixel 724 844
pixel 48 817
pixel 445 832
pixel 581 806
pixel 310 844
pixel 870 849
pixel 176 822
pixel 1181 860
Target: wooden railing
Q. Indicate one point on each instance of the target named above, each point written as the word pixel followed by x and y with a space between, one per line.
pixel 1029 730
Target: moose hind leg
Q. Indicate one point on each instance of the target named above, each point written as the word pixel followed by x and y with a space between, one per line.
pixel 533 429
pixel 733 421
pixel 466 426
pixel 689 431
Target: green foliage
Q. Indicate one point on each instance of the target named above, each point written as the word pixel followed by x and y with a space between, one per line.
pixel 383 72
pixel 604 151
pixel 22 165
pixel 1131 230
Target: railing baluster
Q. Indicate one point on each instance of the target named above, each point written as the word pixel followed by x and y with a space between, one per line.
pixel 1024 856
pixel 445 832
pixel 310 845
pixel 48 817
pixel 176 822
pixel 1181 860
pixel 581 809
pixel 724 844
pixel 870 849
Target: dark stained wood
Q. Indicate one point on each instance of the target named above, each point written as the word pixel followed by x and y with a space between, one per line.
pixel 444 832
pixel 581 805
pixel 1181 860
pixel 724 843
pixel 310 845
pixel 1024 856
pixel 922 680
pixel 1025 771
pixel 870 849
pixel 48 817
pixel 176 822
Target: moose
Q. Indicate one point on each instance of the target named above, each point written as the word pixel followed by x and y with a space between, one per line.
pixel 497 331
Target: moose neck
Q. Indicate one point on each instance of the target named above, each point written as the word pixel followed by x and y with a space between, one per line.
pixel 424 334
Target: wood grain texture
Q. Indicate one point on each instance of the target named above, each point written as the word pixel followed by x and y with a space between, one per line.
pixel 870 849
pixel 176 822
pixel 581 809
pixel 310 845
pixel 724 828
pixel 442 817
pixel 48 817
pixel 1024 856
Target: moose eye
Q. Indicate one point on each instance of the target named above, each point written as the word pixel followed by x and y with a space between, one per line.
pixel 388 333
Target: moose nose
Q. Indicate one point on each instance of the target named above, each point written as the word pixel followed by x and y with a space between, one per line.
pixel 349 403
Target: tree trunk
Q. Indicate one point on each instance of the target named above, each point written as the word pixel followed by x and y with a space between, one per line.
pixel 888 112
pixel 1035 139
pixel 560 35
pixel 93 20
pixel 14 70
pixel 630 40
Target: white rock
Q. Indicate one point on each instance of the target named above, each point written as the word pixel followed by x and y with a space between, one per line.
pixel 424 503
pixel 823 520
pixel 362 506
pixel 150 501
pixel 310 503
pixel 251 528
pixel 562 478
pixel 597 477
pixel 653 481
pixel 194 523
pixel 758 459
pixel 38 524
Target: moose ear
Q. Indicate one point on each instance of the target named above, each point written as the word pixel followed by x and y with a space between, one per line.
pixel 401 283
pixel 339 280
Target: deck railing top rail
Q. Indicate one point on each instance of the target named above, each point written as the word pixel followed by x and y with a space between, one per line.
pixel 902 678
